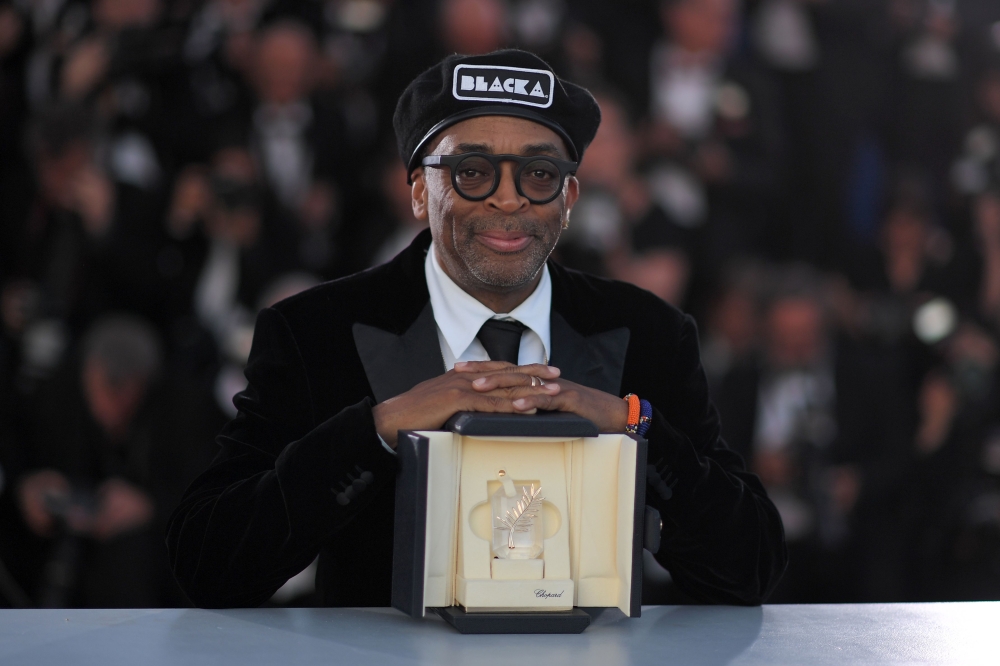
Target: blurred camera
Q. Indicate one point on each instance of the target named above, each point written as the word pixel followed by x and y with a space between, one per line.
pixel 75 507
pixel 233 194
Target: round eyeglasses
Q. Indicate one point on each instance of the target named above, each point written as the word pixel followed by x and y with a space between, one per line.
pixel 476 176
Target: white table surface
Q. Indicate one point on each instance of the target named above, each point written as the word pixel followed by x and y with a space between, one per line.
pixel 947 633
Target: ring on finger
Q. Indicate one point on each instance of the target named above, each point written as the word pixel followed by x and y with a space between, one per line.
pixel 534 380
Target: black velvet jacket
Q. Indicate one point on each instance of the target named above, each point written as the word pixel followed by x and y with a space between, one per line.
pixel 282 488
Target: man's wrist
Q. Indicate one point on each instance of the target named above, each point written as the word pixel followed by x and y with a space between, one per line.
pixel 621 416
pixel 384 431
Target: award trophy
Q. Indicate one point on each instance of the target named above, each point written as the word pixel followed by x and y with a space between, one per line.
pixel 517 533
pixel 511 523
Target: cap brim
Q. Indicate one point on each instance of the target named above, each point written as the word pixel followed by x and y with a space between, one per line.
pixel 496 110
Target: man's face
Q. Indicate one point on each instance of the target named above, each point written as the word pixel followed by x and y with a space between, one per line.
pixel 121 14
pixel 57 173
pixel 284 60
pixel 474 26
pixel 501 243
pixel 112 404
pixel 701 26
pixel 796 333
pixel 904 232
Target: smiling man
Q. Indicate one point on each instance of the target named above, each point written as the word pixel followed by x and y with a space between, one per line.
pixel 471 317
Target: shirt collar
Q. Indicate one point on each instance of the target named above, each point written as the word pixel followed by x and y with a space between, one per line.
pixel 459 316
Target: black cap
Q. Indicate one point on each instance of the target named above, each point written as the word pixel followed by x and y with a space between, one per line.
pixel 502 83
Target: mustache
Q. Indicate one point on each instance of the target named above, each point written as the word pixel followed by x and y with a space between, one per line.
pixel 528 226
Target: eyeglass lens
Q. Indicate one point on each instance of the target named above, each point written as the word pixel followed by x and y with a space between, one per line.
pixel 539 180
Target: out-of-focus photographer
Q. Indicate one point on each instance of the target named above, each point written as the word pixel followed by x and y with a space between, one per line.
pixel 713 139
pixel 917 262
pixel 58 229
pixel 976 176
pixel 955 485
pixel 789 406
pixel 227 242
pixel 102 460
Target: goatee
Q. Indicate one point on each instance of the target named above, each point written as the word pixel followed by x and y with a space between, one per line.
pixel 514 270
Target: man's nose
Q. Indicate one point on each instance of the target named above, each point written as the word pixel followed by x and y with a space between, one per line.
pixel 506 199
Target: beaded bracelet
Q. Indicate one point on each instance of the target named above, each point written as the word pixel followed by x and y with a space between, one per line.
pixel 645 417
pixel 634 409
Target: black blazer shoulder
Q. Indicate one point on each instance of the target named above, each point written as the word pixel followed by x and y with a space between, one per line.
pixel 390 296
pixel 593 304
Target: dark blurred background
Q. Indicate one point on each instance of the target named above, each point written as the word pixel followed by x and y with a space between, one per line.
pixel 817 181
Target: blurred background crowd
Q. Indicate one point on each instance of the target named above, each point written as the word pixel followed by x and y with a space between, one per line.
pixel 816 181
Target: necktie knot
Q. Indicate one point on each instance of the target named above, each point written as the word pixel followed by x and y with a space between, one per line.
pixel 501 339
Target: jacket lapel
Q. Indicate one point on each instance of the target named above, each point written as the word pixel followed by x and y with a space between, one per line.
pixel 396 363
pixel 596 360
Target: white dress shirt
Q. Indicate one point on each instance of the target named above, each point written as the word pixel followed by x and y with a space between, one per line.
pixel 459 317
pixel 684 89
pixel 281 134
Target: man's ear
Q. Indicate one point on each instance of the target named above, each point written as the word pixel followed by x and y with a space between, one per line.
pixel 572 193
pixel 418 195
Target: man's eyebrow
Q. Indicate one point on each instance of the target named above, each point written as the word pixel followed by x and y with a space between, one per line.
pixel 472 148
pixel 542 149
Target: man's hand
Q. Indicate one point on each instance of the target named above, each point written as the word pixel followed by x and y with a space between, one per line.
pixel 33 493
pixel 123 507
pixel 608 412
pixel 429 404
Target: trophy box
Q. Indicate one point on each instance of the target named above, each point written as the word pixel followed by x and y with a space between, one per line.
pixel 510 523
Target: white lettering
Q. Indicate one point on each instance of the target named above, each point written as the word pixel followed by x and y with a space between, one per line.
pixel 503 83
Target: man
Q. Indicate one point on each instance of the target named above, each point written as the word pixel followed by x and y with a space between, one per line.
pixel 102 459
pixel 308 468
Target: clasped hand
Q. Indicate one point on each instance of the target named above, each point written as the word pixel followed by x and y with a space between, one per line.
pixel 495 386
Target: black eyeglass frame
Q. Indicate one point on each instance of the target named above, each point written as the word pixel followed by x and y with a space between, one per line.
pixel 565 167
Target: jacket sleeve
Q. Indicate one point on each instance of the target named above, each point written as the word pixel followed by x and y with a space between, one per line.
pixel 282 484
pixel 722 539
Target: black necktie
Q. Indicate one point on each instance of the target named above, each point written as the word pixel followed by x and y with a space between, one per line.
pixel 501 339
